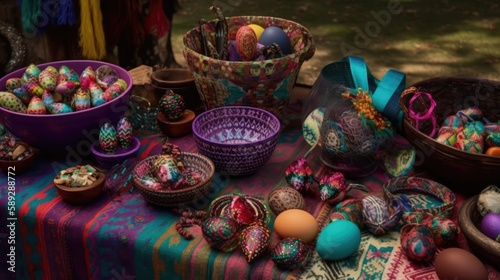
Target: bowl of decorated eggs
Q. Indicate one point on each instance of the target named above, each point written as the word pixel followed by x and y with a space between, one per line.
pixel 238 139
pixel 58 107
pixel 252 62
pixel 174 180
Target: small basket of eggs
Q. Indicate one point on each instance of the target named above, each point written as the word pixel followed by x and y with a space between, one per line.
pixel 247 60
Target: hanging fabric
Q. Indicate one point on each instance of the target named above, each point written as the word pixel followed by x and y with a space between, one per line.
pixel 92 39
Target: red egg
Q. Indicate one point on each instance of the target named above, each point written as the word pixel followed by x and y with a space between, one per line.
pixel 246 43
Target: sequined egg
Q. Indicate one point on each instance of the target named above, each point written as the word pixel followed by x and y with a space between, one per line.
pixel 255 239
pixel 81 99
pixel 221 233
pixel 284 198
pixel 418 243
pixel 246 43
pixel 108 140
pixel 291 253
pixel 11 102
pixel 59 108
pixel 36 107
pixel 124 130
pixel 338 240
pixel 172 105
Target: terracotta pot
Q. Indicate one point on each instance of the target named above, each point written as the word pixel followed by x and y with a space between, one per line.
pixel 180 81
pixel 178 128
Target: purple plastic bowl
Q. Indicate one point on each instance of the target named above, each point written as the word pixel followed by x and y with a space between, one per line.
pixel 238 139
pixel 109 160
pixel 66 133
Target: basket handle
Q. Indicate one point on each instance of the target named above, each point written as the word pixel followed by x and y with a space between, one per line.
pixel 309 49
pixel 386 96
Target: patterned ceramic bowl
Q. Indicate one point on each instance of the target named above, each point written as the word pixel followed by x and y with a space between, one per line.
pixel 238 139
pixel 176 198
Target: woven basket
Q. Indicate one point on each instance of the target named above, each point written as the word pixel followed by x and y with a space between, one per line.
pixel 464 171
pixel 469 220
pixel 264 84
pixel 176 198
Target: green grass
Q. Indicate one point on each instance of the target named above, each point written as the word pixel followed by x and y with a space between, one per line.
pixel 425 39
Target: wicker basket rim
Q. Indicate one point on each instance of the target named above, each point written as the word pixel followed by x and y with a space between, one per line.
pixel 179 191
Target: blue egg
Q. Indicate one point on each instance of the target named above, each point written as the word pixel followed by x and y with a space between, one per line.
pixel 274 34
pixel 338 240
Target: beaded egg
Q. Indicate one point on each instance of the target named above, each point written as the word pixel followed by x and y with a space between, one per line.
pixel 255 239
pixel 221 233
pixel 291 253
pixel 172 105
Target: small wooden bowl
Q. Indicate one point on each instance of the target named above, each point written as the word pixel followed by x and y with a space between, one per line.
pixel 81 195
pixel 469 220
pixel 17 167
pixel 178 128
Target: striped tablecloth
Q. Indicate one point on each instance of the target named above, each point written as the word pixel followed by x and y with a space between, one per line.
pixel 120 236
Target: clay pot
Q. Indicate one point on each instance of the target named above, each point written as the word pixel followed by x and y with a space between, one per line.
pixel 177 128
pixel 180 81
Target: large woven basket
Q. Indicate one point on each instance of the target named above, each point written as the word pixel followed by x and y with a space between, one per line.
pixel 264 84
pixel 459 170
pixel 180 198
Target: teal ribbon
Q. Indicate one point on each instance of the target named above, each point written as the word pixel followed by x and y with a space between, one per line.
pixel 385 92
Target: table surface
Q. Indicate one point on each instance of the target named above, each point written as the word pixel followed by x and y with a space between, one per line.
pixel 121 236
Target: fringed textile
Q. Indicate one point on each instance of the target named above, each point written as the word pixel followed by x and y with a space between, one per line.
pixel 92 38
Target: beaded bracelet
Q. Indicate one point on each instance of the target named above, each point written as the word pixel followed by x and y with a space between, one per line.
pixel 422 186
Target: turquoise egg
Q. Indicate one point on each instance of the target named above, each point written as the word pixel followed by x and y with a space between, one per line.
pixel 338 240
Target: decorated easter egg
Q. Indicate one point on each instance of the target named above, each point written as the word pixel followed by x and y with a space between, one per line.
pixel 490 226
pixel 456 263
pixel 47 79
pixel 296 223
pixel 124 130
pixel 275 35
pixel 22 94
pixel 377 215
pixel 64 71
pixel 12 84
pixel 105 76
pixel 254 239
pixel 81 99
pixel 66 88
pixel 73 77
pixel 96 93
pixel 245 209
pixel 108 140
pixel 291 253
pixel 59 108
pixel 284 198
pixel 172 105
pixel 417 242
pixel 350 210
pixel 338 240
pixel 299 175
pixel 167 172
pixel 32 71
pixel 10 102
pixel 87 77
pixel 221 233
pixel 47 98
pixel 444 230
pixel 36 107
pixel 246 43
pixel 257 29
pixel 32 87
pixel 488 200
pixel 51 69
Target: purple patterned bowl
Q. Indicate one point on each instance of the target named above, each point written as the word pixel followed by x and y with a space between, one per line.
pixel 238 139
pixel 109 160
pixel 71 133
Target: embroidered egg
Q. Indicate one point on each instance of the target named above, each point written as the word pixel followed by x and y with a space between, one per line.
pixel 81 99
pixel 10 102
pixel 291 253
pixel 32 71
pixel 444 230
pixel 275 35
pixel 284 198
pixel 338 240
pixel 221 233
pixel 22 94
pixel 105 76
pixel 246 43
pixel 108 140
pixel 167 172
pixel 96 93
pixel 296 223
pixel 255 239
pixel 47 79
pixel 490 226
pixel 172 105
pixel 124 130
pixel 377 216
pixel 36 107
pixel 488 200
pixel 32 87
pixel 350 210
pixel 12 84
pixel 59 108
pixel 417 242
pixel 299 175
pixel 87 77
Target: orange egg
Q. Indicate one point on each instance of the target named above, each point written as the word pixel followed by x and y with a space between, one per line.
pixel 493 151
pixel 296 223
